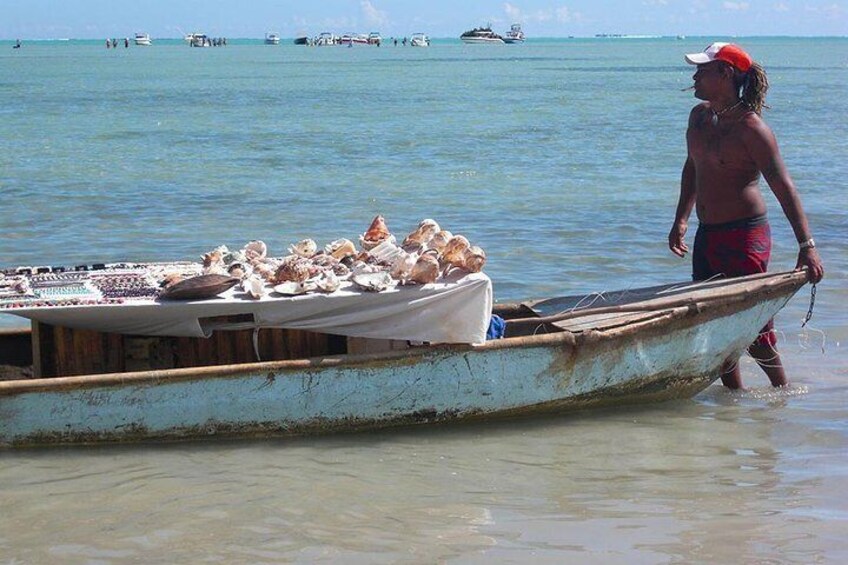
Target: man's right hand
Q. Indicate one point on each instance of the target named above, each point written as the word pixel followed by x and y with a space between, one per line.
pixel 675 239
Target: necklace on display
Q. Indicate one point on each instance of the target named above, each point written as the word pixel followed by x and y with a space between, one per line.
pixel 715 116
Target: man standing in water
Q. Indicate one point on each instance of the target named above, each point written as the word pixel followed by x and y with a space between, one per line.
pixel 728 147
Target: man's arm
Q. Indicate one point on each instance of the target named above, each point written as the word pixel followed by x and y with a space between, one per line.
pixel 684 208
pixel 762 146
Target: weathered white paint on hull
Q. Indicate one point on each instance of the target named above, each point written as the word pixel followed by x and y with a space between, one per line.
pixel 437 384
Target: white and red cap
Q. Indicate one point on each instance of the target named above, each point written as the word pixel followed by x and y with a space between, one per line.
pixel 718 51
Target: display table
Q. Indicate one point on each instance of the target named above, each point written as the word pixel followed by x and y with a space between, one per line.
pixel 454 311
pixel 146 334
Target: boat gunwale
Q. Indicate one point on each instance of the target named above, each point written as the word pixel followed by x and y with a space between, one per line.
pixel 705 309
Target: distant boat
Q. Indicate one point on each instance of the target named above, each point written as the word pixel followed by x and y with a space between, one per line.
pixel 374 38
pixel 143 39
pixel 419 40
pixel 481 35
pixel 326 38
pixel 301 40
pixel 272 39
pixel 514 35
pixel 198 40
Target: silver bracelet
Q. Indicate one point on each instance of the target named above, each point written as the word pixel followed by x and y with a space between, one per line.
pixel 809 244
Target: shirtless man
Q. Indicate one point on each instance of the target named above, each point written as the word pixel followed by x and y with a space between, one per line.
pixel 728 147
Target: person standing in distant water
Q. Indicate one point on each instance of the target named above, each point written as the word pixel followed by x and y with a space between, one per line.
pixel 126 42
pixel 728 147
pixel 17 44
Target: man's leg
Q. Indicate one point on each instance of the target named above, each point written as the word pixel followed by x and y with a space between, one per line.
pixel 767 357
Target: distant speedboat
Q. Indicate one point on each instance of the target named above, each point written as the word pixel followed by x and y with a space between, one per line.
pixel 514 35
pixel 419 40
pixel 481 35
pixel 374 38
pixel 272 39
pixel 143 39
pixel 326 38
pixel 301 40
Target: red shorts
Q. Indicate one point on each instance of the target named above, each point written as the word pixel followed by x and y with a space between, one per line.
pixel 734 249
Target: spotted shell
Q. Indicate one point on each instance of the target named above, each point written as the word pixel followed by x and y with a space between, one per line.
pixel 304 248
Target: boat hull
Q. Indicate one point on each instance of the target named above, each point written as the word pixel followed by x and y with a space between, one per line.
pixel 479 40
pixel 674 354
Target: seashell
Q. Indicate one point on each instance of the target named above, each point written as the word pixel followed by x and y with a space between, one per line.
pixel 340 248
pixel 378 231
pixel 255 250
pixel 199 287
pixel 327 281
pixel 304 248
pixel 341 270
pixel 215 269
pixel 239 270
pixel 385 252
pixel 293 288
pixel 474 259
pixel 254 286
pixel 170 279
pixel 426 269
pixel 235 257
pixel 359 267
pixel 373 282
pixel 413 247
pixel 293 270
pixel 440 240
pixel 213 257
pixel 454 251
pixel 264 270
pixel 424 233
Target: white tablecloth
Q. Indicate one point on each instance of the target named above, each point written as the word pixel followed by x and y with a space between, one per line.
pixel 455 311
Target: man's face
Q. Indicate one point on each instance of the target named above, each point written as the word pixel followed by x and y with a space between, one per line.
pixel 708 79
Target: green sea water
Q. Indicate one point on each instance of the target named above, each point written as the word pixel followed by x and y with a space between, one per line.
pixel 562 159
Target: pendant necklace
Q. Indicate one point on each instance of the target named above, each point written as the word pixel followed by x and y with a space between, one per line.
pixel 715 116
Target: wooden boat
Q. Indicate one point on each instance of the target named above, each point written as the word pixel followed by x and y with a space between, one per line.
pixel 561 354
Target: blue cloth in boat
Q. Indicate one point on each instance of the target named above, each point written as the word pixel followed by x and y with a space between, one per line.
pixel 497 326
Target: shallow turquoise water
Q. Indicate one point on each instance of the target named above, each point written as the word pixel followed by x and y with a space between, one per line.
pixel 561 158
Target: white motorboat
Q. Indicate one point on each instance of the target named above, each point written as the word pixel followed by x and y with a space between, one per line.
pixel 326 38
pixel 481 35
pixel 143 39
pixel 419 40
pixel 374 38
pixel 272 39
pixel 514 35
pixel 198 40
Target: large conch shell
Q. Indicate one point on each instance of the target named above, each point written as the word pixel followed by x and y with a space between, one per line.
pixel 426 269
pixel 454 251
pixel 423 234
pixel 403 265
pixel 340 248
pixel 377 232
pixel 440 240
pixel 304 248
pixel 474 259
pixel 385 252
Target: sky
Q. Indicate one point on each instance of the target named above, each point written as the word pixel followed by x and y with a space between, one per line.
pixel 95 19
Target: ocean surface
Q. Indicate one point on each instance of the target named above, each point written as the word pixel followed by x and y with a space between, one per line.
pixel 562 159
